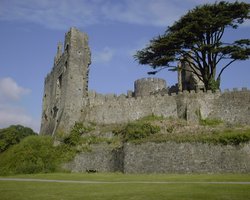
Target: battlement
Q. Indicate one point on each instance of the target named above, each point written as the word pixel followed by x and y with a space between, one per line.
pixel 199 93
pixel 243 89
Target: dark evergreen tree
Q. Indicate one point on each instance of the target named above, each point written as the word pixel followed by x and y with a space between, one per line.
pixel 196 38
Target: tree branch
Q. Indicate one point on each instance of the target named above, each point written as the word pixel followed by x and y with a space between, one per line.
pixel 225 67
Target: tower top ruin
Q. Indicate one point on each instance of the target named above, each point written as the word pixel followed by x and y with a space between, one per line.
pixel 67 83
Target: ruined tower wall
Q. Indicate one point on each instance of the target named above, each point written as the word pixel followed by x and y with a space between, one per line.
pixel 67 84
pixel 78 52
pixel 54 92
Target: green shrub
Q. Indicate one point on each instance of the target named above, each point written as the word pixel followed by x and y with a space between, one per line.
pixel 35 154
pixel 13 135
pixel 74 137
pixel 32 155
pixel 93 140
pixel 233 137
pixel 137 130
pixel 64 153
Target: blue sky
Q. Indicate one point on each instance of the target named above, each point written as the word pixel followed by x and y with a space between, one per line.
pixel 31 29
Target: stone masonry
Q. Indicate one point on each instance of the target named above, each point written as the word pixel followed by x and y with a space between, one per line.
pixel 66 85
pixel 168 157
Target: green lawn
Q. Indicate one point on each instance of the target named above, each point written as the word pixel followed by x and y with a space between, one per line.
pixel 130 190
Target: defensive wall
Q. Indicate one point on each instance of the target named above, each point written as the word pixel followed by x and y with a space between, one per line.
pixel 168 157
pixel 229 106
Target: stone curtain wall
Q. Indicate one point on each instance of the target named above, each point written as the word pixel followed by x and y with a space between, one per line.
pixel 167 157
pixel 185 158
pixel 101 158
pixel 108 109
pixel 233 107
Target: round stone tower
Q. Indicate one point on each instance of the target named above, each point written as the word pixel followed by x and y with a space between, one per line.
pixel 148 86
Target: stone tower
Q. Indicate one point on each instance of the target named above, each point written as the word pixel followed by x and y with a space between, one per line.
pixel 149 86
pixel 187 79
pixel 66 85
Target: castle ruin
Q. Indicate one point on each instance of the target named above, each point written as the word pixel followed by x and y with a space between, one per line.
pixel 67 84
pixel 67 99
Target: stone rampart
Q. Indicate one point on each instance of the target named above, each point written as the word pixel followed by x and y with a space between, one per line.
pixel 169 157
pixel 172 157
pixel 101 158
pixel 108 109
pixel 232 107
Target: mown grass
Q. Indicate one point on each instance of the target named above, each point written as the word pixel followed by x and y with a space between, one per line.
pixel 135 177
pixel 139 191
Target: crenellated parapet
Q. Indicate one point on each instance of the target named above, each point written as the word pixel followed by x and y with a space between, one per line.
pixel 94 96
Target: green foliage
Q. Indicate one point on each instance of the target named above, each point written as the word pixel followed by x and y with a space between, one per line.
pixel 214 84
pixel 75 134
pixel 36 154
pixel 226 137
pixel 137 130
pixel 64 153
pixel 32 155
pixel 13 135
pixel 210 122
pixel 232 137
pixel 93 140
pixel 196 39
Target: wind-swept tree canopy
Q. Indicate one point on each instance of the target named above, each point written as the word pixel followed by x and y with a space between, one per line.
pixel 196 38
